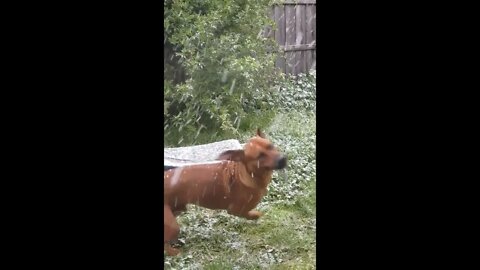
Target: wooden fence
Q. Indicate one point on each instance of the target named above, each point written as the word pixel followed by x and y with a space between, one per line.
pixel 296 35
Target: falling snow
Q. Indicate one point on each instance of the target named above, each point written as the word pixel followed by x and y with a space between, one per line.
pixel 232 86
pixel 176 176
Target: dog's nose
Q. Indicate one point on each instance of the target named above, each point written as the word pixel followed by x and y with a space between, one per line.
pixel 281 162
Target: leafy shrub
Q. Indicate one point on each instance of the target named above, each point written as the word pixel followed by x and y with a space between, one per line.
pixel 294 134
pixel 221 48
pixel 295 93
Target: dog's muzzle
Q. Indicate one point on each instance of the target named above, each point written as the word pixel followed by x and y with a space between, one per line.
pixel 281 163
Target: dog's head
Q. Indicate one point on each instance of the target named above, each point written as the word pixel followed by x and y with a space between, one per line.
pixel 258 153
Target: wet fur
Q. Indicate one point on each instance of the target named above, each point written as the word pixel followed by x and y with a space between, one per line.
pixel 237 184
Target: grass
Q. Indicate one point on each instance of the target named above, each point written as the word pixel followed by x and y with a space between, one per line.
pixel 284 238
pixel 281 239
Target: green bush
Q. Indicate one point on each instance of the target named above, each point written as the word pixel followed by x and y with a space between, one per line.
pixel 294 133
pixel 221 48
pixel 295 93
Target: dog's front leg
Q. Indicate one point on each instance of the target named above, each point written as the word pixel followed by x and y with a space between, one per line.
pixel 253 214
pixel 249 214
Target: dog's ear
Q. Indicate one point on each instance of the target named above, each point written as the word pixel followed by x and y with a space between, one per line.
pixel 233 155
pixel 260 133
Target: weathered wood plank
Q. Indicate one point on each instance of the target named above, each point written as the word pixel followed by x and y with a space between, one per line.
pixel 301 47
pixel 314 54
pixel 309 33
pixel 304 57
pixel 314 61
pixel 299 38
pixel 290 38
pixel 280 34
pixel 314 19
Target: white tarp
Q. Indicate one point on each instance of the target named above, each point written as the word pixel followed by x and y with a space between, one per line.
pixel 204 153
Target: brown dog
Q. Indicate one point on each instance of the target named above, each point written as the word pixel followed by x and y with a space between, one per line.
pixel 237 184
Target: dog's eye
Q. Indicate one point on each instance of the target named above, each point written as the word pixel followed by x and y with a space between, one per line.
pixel 262 155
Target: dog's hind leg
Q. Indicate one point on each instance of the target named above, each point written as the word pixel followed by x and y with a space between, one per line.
pixel 171 229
